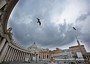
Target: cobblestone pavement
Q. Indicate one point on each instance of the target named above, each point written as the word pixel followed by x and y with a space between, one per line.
pixel 28 63
pixel 40 62
pixel 43 63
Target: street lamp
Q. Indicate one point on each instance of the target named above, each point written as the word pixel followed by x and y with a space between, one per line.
pixel 79 43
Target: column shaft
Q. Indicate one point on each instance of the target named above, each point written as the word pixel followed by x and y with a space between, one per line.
pixel 3 53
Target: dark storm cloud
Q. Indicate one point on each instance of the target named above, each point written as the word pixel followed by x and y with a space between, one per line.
pixel 26 30
pixel 46 35
pixel 82 17
pixel 28 33
pixel 83 23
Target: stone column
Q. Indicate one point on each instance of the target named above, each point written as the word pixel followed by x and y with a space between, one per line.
pixel 8 58
pixel 39 56
pixel 3 53
pixel 30 57
pixel 12 55
pixel 42 55
pixel 45 55
pixel 20 55
pixel 8 51
pixel 16 55
pixel 24 55
pixel 2 44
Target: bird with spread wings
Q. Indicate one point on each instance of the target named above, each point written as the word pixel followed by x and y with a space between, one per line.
pixel 39 21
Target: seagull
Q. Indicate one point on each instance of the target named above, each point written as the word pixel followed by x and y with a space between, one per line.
pixel 74 28
pixel 38 21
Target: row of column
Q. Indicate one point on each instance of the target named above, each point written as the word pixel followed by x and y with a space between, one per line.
pixel 16 55
pixel 9 53
pixel 43 55
pixel 2 44
pixel 3 52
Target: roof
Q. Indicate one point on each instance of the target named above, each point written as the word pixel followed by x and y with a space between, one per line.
pixel 76 46
pixel 33 45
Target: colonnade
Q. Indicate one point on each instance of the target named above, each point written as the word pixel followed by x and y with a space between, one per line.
pixel 8 50
pixel 12 52
pixel 44 55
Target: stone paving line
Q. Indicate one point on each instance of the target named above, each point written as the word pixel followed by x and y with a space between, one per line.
pixel 39 63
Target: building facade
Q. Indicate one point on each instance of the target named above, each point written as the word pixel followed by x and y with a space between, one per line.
pixel 87 57
pixel 76 48
pixel 42 54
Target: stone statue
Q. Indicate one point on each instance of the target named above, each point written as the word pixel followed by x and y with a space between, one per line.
pixel 9 32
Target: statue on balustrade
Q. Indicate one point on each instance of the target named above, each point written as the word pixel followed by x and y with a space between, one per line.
pixel 9 33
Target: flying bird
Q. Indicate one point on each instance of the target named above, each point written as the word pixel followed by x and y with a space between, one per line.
pixel 74 28
pixel 39 21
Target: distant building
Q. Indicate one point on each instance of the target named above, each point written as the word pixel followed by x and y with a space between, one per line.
pixel 76 48
pixel 87 57
pixel 42 54
pixel 63 56
pixel 56 51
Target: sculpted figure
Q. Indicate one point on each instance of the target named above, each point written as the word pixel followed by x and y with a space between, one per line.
pixel 9 32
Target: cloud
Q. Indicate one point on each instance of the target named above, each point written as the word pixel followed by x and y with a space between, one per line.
pixel 83 17
pixel 82 22
pixel 51 33
pixel 47 35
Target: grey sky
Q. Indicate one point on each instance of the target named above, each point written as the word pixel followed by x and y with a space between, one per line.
pixel 54 31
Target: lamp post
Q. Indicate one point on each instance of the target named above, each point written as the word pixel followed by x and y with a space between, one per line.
pixel 79 45
pixel 75 56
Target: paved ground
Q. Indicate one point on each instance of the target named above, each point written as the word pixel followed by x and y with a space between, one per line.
pixel 27 63
pixel 43 63
pixel 40 62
